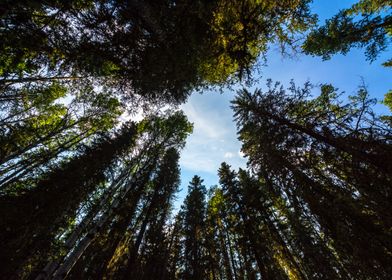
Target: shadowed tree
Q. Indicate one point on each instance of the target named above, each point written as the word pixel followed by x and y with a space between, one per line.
pixel 130 45
pixel 193 228
pixel 32 219
pixel 117 220
pixel 333 158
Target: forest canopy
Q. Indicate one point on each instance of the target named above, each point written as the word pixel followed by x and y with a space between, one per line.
pixel 88 190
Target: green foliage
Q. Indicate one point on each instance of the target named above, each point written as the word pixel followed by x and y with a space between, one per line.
pixel 193 226
pixel 370 6
pixel 324 155
pixel 367 24
pixel 241 34
pixel 83 196
pixel 388 100
pixel 45 122
pixel 137 165
pixel 211 43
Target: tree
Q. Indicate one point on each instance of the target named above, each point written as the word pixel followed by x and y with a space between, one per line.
pixel 34 218
pixel 129 45
pixel 193 227
pixel 105 173
pixel 366 24
pixel 40 130
pixel 265 244
pixel 327 155
pixel 129 233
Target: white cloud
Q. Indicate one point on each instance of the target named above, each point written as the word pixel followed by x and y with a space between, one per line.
pixel 214 135
pixel 228 155
pixel 206 123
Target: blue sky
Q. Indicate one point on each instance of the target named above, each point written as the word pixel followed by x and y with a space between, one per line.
pixel 214 139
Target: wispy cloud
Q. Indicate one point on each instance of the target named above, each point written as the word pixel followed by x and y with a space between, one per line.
pixel 229 155
pixel 214 137
pixel 206 123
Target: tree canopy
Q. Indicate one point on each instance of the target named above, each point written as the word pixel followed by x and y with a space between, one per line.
pixel 88 192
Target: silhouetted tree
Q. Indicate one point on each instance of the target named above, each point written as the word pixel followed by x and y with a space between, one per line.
pixel 332 158
pixel 193 228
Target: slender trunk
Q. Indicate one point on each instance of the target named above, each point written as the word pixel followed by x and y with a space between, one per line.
pixel 249 269
pixel 248 229
pixel 75 235
pixel 29 166
pixel 38 79
pixel 71 260
pixel 224 249
pixel 233 263
pixel 54 132
pixel 250 234
pixel 380 161
pixel 313 193
pixel 135 247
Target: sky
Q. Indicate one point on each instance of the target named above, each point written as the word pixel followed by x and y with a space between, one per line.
pixel 214 138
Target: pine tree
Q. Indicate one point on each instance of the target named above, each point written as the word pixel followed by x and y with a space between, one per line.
pixel 129 45
pixel 33 219
pixel 326 156
pixel 193 228
pixel 366 24
pixel 96 251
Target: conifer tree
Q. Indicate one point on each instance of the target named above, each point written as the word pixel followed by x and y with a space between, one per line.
pixel 129 45
pixel 193 228
pixel 366 24
pixel 331 158
pixel 35 217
